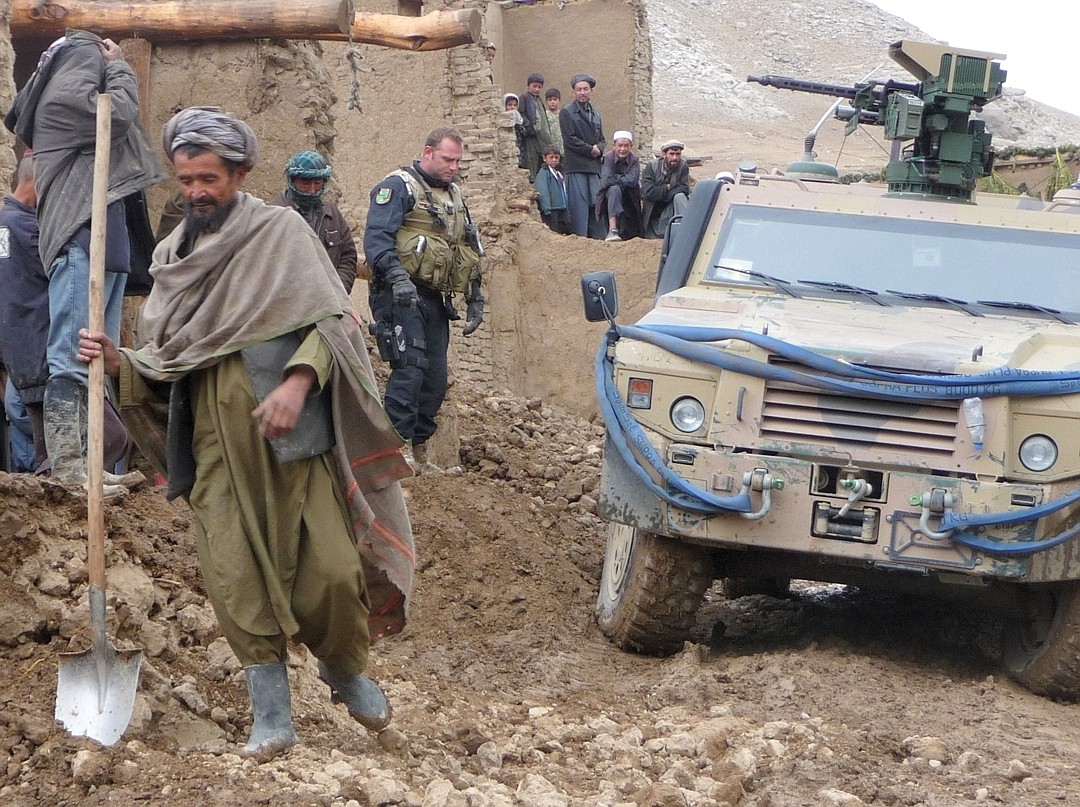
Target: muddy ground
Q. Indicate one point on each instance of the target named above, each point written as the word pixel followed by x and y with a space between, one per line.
pixel 505 691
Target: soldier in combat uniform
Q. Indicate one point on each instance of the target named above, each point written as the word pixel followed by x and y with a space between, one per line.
pixel 423 249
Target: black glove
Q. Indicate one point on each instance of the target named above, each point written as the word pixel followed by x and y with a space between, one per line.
pixel 474 314
pixel 451 309
pixel 403 289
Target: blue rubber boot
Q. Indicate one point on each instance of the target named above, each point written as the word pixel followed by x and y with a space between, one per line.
pixel 362 697
pixel 271 709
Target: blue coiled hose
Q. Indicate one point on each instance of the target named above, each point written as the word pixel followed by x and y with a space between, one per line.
pixel 623 430
pixel 683 341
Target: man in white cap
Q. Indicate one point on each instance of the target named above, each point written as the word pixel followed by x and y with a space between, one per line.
pixel 665 185
pixel 583 151
pixel 619 199
pixel 275 436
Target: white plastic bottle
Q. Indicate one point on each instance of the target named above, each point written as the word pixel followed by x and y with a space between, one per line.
pixel 973 414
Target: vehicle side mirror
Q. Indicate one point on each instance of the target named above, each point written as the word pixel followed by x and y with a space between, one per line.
pixel 599 295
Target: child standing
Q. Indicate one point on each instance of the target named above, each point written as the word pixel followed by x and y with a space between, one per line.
pixel 551 190
pixel 510 104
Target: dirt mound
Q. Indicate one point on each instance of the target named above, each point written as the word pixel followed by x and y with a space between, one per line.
pixel 504 690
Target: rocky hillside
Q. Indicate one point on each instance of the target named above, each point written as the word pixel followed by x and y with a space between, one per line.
pixel 704 49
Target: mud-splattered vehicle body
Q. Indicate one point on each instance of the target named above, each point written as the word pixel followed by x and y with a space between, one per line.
pixel 858 385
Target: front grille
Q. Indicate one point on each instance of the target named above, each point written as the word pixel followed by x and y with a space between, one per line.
pixel 796 414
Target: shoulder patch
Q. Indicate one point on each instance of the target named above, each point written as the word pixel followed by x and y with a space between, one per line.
pixel 383 196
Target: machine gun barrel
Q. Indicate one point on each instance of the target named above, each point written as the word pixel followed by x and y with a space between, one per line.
pixel 800 85
pixel 874 92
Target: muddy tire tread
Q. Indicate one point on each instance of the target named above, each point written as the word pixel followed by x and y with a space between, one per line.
pixel 1055 671
pixel 657 608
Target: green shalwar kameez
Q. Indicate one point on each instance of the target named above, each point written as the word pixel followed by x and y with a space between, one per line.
pixel 274 542
pixel 318 549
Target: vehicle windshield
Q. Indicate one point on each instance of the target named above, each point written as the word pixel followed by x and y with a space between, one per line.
pixel 912 257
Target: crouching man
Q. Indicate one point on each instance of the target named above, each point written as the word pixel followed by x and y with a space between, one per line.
pixel 276 435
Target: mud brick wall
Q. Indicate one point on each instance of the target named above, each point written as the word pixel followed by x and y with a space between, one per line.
pixel 296 96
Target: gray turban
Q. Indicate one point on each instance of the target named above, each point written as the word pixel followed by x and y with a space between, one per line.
pixel 209 128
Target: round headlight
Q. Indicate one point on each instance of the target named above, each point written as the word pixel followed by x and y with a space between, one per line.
pixel 688 415
pixel 1038 453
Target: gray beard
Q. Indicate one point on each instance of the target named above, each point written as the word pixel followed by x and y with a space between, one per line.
pixel 196 224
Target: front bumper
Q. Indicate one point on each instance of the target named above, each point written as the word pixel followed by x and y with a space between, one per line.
pixel 817 512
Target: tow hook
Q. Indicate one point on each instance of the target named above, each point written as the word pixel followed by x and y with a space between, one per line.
pixel 937 501
pixel 858 489
pixel 761 481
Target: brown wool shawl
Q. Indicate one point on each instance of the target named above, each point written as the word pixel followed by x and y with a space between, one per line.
pixel 262 275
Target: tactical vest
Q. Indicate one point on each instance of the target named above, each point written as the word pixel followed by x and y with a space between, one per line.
pixel 433 242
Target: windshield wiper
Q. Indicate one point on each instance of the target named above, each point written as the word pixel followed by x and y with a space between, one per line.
pixel 844 288
pixel 1042 309
pixel 775 282
pixel 935 298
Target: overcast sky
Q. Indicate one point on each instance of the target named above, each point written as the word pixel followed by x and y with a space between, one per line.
pixel 1040 38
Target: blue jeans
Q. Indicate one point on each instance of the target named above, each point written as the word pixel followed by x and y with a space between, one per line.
pixel 69 310
pixel 21 437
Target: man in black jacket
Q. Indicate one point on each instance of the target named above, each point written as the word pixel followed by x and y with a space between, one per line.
pixel 306 175
pixel 24 300
pixel 665 186
pixel 583 150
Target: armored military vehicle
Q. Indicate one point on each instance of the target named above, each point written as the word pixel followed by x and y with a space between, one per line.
pixel 877 386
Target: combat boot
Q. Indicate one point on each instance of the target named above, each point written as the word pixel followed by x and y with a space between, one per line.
pixel 362 697
pixel 272 729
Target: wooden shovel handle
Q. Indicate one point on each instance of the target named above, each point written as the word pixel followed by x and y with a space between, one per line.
pixel 95 425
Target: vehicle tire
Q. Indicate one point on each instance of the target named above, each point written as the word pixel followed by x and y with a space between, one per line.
pixel 650 590
pixel 735 587
pixel 1040 640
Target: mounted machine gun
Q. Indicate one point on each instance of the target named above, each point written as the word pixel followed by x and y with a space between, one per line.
pixel 949 151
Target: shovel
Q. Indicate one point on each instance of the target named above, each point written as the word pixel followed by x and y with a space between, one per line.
pixel 95 689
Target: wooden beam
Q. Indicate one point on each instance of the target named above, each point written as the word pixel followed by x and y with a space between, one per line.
pixel 437 30
pixel 181 20
pixel 201 20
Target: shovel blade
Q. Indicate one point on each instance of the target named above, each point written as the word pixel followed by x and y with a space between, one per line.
pixel 95 692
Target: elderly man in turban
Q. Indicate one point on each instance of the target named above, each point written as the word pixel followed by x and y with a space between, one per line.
pixel 54 113
pixel 276 435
